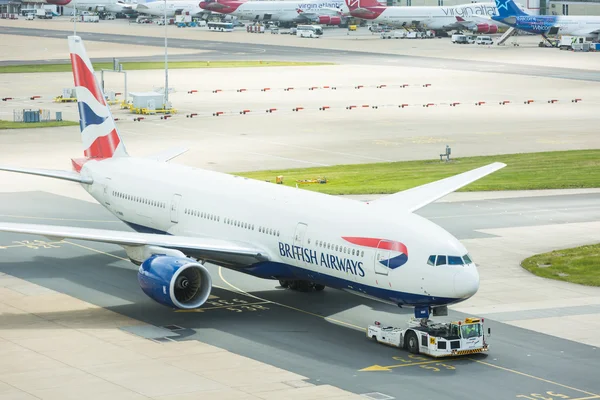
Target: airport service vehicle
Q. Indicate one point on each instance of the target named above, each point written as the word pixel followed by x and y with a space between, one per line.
pixel 323 12
pixel 575 25
pixel 433 338
pixel 484 40
pixel 442 18
pixel 460 39
pixel 115 6
pixel 42 13
pixel 573 43
pixel 309 31
pixel 220 26
pixel 185 218
pixel 394 35
pixel 30 17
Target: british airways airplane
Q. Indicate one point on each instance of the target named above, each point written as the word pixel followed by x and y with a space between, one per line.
pixel 577 25
pixel 184 217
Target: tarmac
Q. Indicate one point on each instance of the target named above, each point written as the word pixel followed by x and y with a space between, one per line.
pixel 75 323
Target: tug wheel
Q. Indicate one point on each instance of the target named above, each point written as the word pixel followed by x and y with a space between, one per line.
pixel 412 343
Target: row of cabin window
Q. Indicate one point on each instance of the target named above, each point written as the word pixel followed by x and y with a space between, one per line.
pixel 341 249
pixel 137 199
pixel 200 214
pixel 228 221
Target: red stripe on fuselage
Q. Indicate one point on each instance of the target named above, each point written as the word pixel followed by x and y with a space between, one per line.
pixel 84 77
pixel 103 146
pixel 375 243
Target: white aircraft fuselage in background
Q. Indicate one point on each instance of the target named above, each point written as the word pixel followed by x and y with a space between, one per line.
pixel 112 6
pixel 431 17
pixel 157 8
pixel 186 217
pixel 320 11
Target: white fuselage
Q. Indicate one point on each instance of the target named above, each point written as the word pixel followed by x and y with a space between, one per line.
pixel 287 11
pixel 301 231
pixel 157 8
pixel 434 17
pixel 112 6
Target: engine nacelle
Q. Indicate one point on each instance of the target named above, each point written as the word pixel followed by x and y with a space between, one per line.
pixel 335 21
pixel 324 19
pixel 175 281
pixel 493 29
pixel 482 28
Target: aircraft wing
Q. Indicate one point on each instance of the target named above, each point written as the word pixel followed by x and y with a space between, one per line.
pixel 418 197
pixel 218 251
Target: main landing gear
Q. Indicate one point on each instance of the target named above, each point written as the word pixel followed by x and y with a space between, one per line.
pixel 301 286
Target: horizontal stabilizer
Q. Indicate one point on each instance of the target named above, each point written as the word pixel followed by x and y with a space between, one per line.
pixel 51 173
pixel 418 197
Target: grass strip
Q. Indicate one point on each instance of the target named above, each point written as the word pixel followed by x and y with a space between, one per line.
pixel 525 171
pixel 135 66
pixel 577 265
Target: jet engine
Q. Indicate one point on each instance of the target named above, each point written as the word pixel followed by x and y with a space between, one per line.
pixel 486 28
pixel 335 21
pixel 324 19
pixel 175 281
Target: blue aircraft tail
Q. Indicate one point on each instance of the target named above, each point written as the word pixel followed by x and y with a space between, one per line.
pixel 508 8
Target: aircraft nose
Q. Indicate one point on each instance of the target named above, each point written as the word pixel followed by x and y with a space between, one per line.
pixel 466 283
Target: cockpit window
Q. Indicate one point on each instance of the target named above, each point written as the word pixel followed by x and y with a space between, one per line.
pixel 467 259
pixel 454 260
pixel 441 260
pixel 431 260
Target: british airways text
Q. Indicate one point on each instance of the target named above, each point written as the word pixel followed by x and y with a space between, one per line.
pixel 324 260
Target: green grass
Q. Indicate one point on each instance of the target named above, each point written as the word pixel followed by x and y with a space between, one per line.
pixel 578 265
pixel 132 66
pixel 551 170
pixel 23 125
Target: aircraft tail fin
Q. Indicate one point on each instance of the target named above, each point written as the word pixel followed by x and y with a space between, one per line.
pixel 508 8
pixel 99 133
pixel 357 4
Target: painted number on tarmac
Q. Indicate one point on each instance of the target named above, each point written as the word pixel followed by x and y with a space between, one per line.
pixel 437 367
pixel 251 307
pixel 546 396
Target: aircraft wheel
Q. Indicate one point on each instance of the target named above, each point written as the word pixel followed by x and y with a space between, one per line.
pixel 304 286
pixel 293 285
pixel 412 343
pixel 318 287
pixel 284 283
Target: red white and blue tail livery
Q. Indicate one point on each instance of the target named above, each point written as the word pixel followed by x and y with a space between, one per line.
pixel 98 130
pixel 183 218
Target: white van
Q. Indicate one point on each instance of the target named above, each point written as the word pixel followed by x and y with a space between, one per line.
pixel 484 40
pixel 460 39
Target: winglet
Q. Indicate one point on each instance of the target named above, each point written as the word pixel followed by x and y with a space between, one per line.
pixel 413 199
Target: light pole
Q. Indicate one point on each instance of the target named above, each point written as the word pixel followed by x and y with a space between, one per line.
pixel 75 19
pixel 166 61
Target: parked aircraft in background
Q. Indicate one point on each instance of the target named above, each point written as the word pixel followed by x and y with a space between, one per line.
pixel 157 8
pixel 442 18
pixel 185 217
pixel 112 6
pixel 323 12
pixel 577 25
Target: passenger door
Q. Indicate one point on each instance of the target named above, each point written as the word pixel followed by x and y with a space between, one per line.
pixel 175 208
pixel 382 258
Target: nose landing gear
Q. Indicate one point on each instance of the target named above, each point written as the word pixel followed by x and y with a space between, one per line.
pixel 301 286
